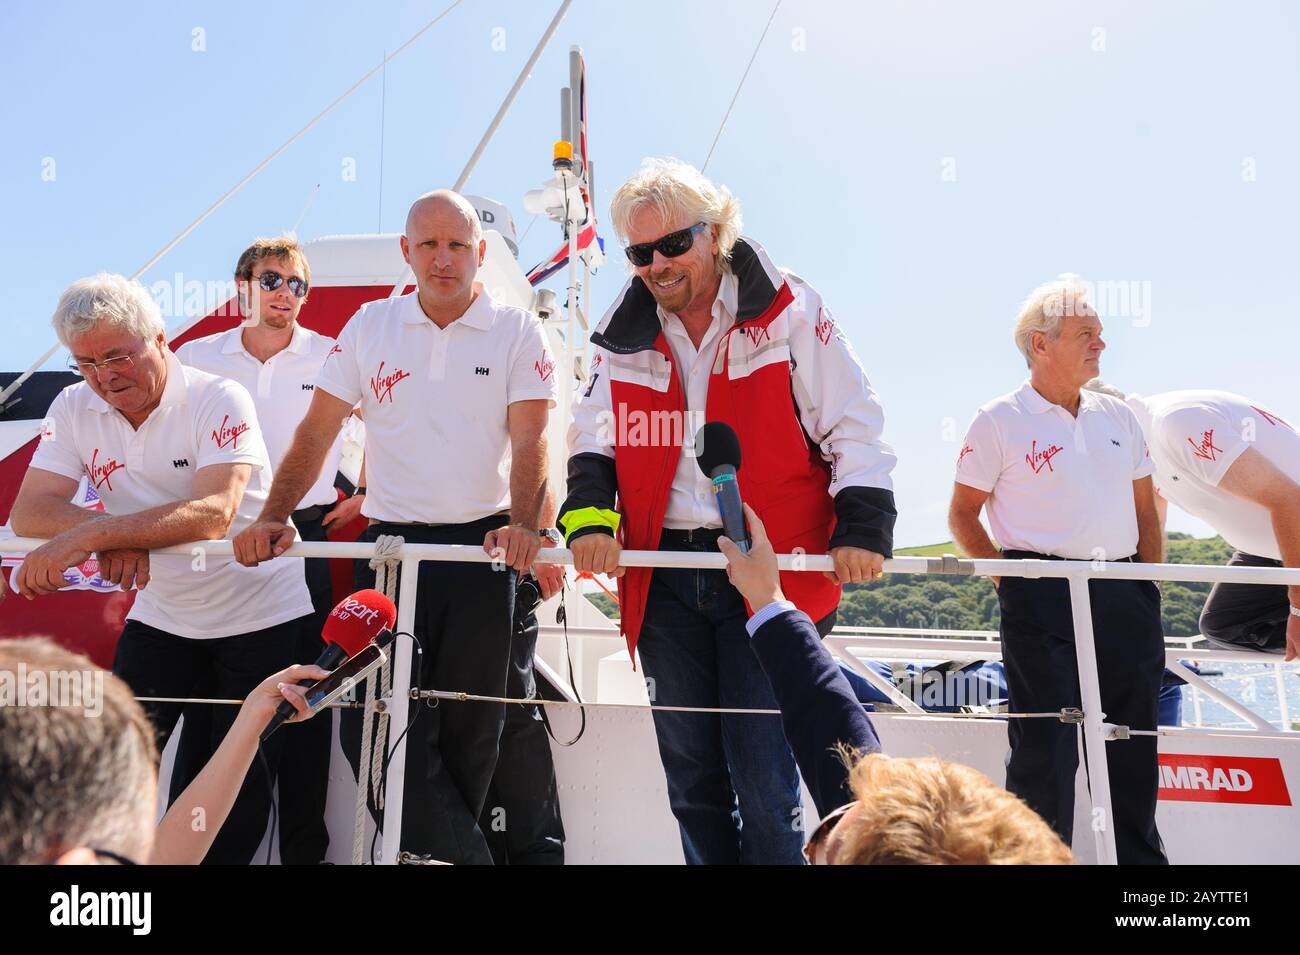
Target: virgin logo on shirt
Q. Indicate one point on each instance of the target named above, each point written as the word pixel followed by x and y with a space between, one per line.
pixel 228 435
pixel 1205 448
pixel 964 451
pixel 100 473
pixel 1271 418
pixel 336 350
pixel 825 325
pixel 382 385
pixel 544 367
pixel 1038 459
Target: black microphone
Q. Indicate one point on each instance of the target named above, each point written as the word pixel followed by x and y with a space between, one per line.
pixel 353 623
pixel 717 451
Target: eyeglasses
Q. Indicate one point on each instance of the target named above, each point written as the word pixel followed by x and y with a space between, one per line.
pixel 115 857
pixel 119 364
pixel 815 850
pixel 670 246
pixel 270 281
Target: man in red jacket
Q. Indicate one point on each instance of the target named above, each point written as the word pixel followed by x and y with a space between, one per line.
pixel 709 329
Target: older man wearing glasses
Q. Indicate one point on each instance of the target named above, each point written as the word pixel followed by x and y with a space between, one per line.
pixel 176 455
pixel 709 329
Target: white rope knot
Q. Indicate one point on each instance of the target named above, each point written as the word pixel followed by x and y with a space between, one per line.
pixel 388 555
pixel 388 551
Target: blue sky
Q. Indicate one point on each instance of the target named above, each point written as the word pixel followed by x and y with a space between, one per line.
pixel 923 164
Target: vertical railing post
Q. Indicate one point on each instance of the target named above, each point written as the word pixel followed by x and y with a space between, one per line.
pixel 1094 735
pixel 398 708
pixel 1283 710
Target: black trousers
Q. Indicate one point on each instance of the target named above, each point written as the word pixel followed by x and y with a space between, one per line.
pixel 521 817
pixel 463 623
pixel 155 663
pixel 305 749
pixel 1038 653
pixel 1247 616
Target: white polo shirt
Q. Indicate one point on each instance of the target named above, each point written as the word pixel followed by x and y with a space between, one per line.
pixel 282 389
pixel 1195 436
pixel 202 420
pixel 1058 484
pixel 434 401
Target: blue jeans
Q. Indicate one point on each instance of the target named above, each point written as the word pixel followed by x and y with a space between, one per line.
pixel 732 781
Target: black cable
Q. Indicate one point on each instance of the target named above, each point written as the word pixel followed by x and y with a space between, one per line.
pixel 270 792
pixel 563 617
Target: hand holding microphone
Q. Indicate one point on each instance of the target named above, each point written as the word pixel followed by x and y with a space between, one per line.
pixel 754 574
pixel 365 617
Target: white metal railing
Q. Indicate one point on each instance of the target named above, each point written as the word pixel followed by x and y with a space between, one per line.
pixel 853 645
pixel 1077 573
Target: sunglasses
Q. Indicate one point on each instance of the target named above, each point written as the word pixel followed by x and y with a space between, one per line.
pixel 270 281
pixel 815 850
pixel 670 246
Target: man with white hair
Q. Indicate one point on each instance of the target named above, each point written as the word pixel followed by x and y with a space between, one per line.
pixel 1065 475
pixel 455 389
pixel 1236 466
pixel 176 456
pixel 709 329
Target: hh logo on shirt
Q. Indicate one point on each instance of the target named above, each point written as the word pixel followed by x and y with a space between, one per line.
pixel 100 474
pixel 382 384
pixel 544 367
pixel 227 436
pixel 1039 459
pixel 1205 448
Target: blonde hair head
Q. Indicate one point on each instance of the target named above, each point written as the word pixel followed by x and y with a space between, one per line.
pixel 674 187
pixel 932 812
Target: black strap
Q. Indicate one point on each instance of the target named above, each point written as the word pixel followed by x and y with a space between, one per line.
pixel 563 618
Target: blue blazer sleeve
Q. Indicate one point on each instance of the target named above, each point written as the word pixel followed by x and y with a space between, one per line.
pixel 818 707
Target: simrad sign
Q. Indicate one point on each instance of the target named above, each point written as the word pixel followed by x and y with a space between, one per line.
pixel 1252 780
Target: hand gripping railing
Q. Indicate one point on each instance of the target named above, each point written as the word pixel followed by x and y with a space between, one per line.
pixel 1077 573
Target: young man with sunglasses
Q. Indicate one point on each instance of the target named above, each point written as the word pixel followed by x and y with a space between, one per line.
pixel 277 360
pixel 176 455
pixel 708 329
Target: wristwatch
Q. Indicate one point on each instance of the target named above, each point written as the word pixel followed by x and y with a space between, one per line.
pixel 360 491
pixel 551 535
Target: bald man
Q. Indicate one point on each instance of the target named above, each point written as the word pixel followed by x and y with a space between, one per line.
pixel 455 389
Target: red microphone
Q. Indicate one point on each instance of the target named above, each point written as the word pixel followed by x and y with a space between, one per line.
pixel 356 621
pixel 365 617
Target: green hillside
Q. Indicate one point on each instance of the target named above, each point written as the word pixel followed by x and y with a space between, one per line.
pixel 970 603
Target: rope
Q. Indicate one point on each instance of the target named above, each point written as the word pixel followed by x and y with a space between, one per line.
pixel 18 382
pixel 388 550
pixel 736 95
pixel 460 697
pixel 588 575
